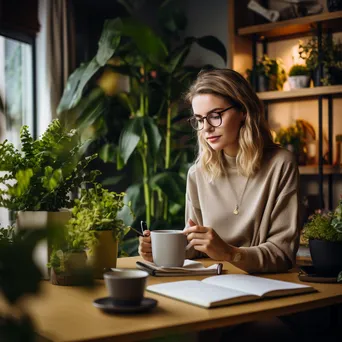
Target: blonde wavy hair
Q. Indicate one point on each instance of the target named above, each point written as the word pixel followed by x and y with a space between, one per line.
pixel 254 134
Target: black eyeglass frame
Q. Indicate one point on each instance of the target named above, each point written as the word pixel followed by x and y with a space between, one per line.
pixel 206 117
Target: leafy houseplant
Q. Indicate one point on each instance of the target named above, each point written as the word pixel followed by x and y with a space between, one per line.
pixel 96 224
pixel 293 139
pixel 270 74
pixel 331 59
pixel 41 175
pixel 323 232
pixel 150 140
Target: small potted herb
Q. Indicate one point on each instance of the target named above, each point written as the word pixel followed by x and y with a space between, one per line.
pixel 331 59
pixel 270 74
pixel 97 211
pixel 299 76
pixel 323 232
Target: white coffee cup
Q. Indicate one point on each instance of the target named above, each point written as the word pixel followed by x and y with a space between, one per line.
pixel 168 247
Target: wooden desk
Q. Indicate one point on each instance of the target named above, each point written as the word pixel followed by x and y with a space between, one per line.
pixel 67 313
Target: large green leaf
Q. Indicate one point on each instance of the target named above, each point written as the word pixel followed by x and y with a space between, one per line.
pixel 178 57
pixel 134 196
pixel 109 40
pixel 130 136
pixel 153 135
pixel 148 43
pixel 107 153
pixel 171 184
pixel 75 85
pixel 213 44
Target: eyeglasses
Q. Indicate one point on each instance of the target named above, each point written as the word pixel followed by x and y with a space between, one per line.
pixel 214 119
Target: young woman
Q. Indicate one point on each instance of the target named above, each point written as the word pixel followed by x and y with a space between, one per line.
pixel 242 192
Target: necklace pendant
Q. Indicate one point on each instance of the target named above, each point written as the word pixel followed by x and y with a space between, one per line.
pixel 236 210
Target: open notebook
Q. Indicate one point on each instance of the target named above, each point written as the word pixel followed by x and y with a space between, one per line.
pixel 227 289
pixel 190 267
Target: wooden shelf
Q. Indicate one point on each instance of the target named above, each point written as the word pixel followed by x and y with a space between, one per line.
pixel 313 170
pixel 294 27
pixel 300 93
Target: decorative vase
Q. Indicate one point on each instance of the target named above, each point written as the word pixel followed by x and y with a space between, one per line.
pixel 297 82
pixel 104 255
pixel 52 221
pixel 326 256
pixel 262 84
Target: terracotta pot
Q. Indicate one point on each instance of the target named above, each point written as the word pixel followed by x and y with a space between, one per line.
pixel 104 255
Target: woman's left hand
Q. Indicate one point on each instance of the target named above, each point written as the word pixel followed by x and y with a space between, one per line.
pixel 206 240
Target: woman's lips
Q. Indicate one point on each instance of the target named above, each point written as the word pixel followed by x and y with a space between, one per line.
pixel 214 138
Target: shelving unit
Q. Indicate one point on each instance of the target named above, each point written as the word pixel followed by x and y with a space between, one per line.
pixel 243 55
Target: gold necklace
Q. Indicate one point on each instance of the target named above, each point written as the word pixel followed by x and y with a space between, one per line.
pixel 238 202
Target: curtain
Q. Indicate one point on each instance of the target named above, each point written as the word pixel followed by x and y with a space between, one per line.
pixel 55 57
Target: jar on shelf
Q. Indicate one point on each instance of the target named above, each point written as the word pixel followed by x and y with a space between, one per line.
pixel 338 161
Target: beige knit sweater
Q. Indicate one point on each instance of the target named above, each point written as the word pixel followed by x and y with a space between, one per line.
pixel 267 226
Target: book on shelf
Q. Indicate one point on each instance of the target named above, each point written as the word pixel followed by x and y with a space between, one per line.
pixel 227 289
pixel 190 267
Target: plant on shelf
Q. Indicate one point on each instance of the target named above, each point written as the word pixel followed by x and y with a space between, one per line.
pixel 293 138
pixel 299 76
pixel 41 175
pixel 95 223
pixel 270 74
pixel 323 233
pixel 330 57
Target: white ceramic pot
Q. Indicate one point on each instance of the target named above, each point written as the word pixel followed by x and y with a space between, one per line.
pixel 27 220
pixel 296 82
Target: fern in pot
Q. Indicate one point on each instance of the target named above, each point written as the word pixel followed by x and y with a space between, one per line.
pixel 323 232
pixel 39 178
pixel 97 211
pixel 299 77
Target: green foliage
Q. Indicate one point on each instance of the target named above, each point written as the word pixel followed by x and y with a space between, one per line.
pixel 292 135
pixel 44 172
pixel 6 235
pixel 331 56
pixel 141 128
pixel 299 70
pixel 97 209
pixel 272 69
pixel 336 221
pixel 325 226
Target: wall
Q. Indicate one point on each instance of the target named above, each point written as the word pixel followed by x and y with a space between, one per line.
pixel 206 18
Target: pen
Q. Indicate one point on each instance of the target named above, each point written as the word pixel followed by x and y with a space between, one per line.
pixel 143 226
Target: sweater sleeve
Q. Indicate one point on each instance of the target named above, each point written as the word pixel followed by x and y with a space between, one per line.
pixel 278 252
pixel 192 209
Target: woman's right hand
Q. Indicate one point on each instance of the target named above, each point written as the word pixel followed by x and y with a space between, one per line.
pixel 145 246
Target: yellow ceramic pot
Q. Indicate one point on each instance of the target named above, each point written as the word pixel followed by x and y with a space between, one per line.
pixel 104 254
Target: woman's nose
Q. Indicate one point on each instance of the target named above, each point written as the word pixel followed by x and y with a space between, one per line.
pixel 207 127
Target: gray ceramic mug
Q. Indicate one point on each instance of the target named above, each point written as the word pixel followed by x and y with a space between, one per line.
pixel 125 286
pixel 168 247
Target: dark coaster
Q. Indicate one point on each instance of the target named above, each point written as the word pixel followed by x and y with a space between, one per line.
pixel 309 274
pixel 106 304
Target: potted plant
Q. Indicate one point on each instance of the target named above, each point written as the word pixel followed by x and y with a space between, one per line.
pixel 331 59
pixel 68 259
pixel 323 232
pixel 299 76
pixel 270 74
pixel 96 213
pixel 293 139
pixel 39 178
